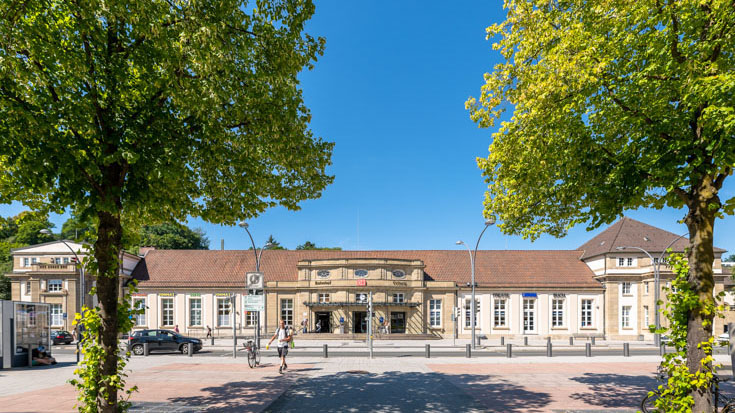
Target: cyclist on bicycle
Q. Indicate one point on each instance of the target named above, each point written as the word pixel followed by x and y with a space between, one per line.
pixel 284 336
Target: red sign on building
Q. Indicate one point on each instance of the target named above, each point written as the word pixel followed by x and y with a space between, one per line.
pixel 361 283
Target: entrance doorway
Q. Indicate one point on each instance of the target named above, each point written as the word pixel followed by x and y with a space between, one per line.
pixel 322 322
pixel 398 323
pixel 359 324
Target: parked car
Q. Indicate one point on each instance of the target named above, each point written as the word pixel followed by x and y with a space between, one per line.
pixel 161 340
pixel 724 338
pixel 61 336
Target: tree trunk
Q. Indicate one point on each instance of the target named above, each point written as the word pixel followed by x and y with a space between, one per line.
pixel 700 221
pixel 107 247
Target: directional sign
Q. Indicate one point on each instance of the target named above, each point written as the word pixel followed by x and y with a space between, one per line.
pixel 254 280
pixel 254 303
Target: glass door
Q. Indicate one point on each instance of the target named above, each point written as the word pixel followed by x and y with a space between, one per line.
pixel 529 315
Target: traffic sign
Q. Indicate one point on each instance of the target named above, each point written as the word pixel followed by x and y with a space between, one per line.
pixel 254 280
pixel 254 303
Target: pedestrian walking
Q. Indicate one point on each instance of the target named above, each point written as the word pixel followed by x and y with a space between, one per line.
pixel 284 336
pixel 209 332
pixel 176 329
pixel 74 334
pixel 319 326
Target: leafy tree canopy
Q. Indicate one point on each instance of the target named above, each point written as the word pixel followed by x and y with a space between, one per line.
pixel 308 245
pixel 273 244
pixel 30 225
pixel 731 258
pixel 173 237
pixel 79 229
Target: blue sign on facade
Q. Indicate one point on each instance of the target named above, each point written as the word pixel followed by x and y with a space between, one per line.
pixel 341 319
pixel 532 295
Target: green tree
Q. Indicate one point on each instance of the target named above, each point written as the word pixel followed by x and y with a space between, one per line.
pixel 273 244
pixel 731 258
pixel 153 110
pixel 308 245
pixel 174 237
pixel 616 105
pixel 79 229
pixel 30 225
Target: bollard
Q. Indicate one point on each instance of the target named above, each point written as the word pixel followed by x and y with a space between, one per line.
pixel 428 351
pixel 663 349
pixel 571 341
pixel 626 350
pixel 326 351
pixel 30 356
pixel 145 349
pixel 730 327
pixel 548 348
pixel 189 349
pixel 509 350
pixel 502 340
pixel 77 352
pixel 468 351
pixel 593 340
pixel 588 349
pixel 525 341
pixel 478 340
pixel 212 343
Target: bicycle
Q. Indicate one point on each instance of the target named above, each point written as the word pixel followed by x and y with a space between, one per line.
pixel 253 353
pixel 648 402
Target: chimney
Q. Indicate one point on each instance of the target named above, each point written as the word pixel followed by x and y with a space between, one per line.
pixel 142 251
pixel 222 244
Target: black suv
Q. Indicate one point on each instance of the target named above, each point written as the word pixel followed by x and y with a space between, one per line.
pixel 61 337
pixel 161 340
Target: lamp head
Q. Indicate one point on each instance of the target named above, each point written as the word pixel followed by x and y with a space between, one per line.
pixel 243 224
pixel 268 245
pixel 490 221
pixel 45 231
pixel 620 248
pixel 459 242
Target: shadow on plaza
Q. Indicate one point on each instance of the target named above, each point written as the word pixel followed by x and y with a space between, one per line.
pixel 404 392
pixel 614 390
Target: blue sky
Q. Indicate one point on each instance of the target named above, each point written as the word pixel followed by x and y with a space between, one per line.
pixel 390 92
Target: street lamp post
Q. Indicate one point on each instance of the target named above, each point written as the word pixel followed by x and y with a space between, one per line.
pixel 258 255
pixel 81 269
pixel 656 283
pixel 488 222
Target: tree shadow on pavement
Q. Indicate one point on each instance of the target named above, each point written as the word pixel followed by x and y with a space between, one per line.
pixel 614 390
pixel 402 392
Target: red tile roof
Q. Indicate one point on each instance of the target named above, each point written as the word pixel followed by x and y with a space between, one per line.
pixel 628 232
pixel 512 269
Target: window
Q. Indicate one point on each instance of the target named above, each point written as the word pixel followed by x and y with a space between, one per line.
pixel 28 288
pixel 54 286
pixel 323 297
pixel 398 298
pixel 645 316
pixel 529 315
pixel 195 311
pixel 223 312
pixel 655 261
pixel 586 315
pixel 26 262
pixel 56 260
pixel 630 262
pixel 645 288
pixel 251 318
pixel 621 262
pixel 66 260
pixel 499 312
pixel 557 312
pixel 625 320
pixel 167 311
pixel 34 261
pixel 57 317
pixel 468 312
pixel 139 303
pixel 435 313
pixel 287 311
pixel 626 288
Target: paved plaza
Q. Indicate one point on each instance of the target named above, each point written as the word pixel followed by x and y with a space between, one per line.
pixel 175 383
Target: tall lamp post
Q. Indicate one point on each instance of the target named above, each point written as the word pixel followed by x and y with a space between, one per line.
pixel 488 222
pixel 258 255
pixel 81 269
pixel 656 282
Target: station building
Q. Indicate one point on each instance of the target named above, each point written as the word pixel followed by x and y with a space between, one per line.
pixel 597 290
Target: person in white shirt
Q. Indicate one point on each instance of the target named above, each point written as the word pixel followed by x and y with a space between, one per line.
pixel 284 336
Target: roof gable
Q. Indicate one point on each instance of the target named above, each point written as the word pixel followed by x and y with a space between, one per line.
pixel 53 247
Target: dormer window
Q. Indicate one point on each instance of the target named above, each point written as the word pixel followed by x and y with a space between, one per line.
pixel 361 273
pixel 399 273
pixel 621 262
pixel 323 274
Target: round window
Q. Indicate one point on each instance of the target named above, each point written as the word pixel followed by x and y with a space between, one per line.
pixel 323 274
pixel 399 273
pixel 361 273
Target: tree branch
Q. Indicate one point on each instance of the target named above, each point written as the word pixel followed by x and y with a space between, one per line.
pixel 721 177
pixel 675 37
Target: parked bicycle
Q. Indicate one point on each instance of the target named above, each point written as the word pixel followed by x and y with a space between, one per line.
pixel 253 353
pixel 728 403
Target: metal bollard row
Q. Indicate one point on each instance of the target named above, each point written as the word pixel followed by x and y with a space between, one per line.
pixel 509 350
pixel 587 349
pixel 626 350
pixel 468 351
pixel 427 351
pixel 326 351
